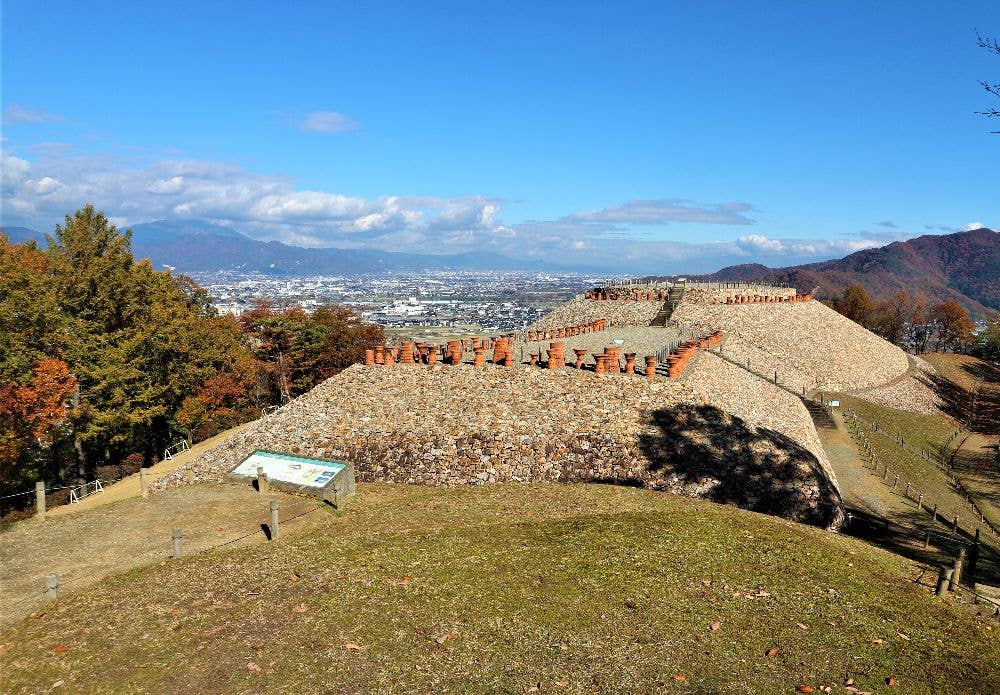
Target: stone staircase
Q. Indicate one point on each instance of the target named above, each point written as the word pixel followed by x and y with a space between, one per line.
pixel 674 297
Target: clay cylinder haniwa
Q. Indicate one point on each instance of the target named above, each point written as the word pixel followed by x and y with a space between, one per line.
pixel 480 359
pixel 432 354
pixel 380 354
pixel 613 365
pixel 406 355
pixel 580 354
pixel 508 359
pixel 650 367
pixel 630 363
pixel 600 364
pixel 388 356
pixel 454 352
pixel 369 358
pixel 533 358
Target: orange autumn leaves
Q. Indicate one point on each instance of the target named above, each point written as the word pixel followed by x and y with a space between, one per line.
pixel 32 410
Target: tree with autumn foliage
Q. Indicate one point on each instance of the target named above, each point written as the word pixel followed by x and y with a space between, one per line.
pixel 298 350
pixel 857 305
pixel 952 325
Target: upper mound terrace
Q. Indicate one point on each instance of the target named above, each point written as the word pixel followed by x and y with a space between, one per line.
pixel 654 385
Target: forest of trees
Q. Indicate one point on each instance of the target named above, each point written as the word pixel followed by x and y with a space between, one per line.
pixel 907 320
pixel 104 359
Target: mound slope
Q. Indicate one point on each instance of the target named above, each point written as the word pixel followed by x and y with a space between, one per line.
pixel 438 425
pixel 807 343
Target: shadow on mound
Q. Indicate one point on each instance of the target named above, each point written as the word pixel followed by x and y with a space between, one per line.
pixel 979 412
pixel 709 453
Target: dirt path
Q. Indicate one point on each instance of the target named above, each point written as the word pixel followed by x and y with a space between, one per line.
pixel 82 548
pixel 860 488
pixel 129 487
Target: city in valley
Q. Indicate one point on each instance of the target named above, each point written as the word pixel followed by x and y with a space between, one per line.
pixel 466 301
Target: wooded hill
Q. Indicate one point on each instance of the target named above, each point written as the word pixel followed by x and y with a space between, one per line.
pixel 964 266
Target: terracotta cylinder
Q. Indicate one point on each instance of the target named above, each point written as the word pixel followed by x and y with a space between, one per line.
pixel 630 363
pixel 480 358
pixel 432 354
pixel 600 364
pixel 369 358
pixel 650 367
pixel 379 354
pixel 534 358
pixel 806 297
pixel 580 354
pixel 406 354
pixel 508 359
pixel 611 364
pixel 388 357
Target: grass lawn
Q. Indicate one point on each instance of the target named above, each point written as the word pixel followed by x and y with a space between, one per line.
pixel 928 432
pixel 515 588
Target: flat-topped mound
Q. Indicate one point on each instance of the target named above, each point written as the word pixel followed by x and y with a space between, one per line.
pixel 622 312
pixel 515 588
pixel 454 425
pixel 807 343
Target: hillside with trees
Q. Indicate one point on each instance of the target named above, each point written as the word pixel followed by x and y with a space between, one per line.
pixel 105 361
pixel 960 267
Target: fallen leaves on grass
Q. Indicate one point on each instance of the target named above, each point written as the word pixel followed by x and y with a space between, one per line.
pixel 773 651
pixel 802 626
pixel 353 647
pixel 253 667
pixel 60 649
pixel 890 681
pixel 715 626
pixel 301 608
pixel 446 637
pixel 878 640
pixel 904 636
pixel 804 688
pixel 680 677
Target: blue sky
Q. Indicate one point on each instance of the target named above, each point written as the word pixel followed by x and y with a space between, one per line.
pixel 674 136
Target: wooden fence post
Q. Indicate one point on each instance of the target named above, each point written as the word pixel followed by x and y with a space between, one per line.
pixel 261 480
pixel 944 577
pixel 176 536
pixel 51 586
pixel 190 475
pixel 274 519
pixel 973 556
pixel 934 513
pixel 143 483
pixel 956 574
pixel 40 499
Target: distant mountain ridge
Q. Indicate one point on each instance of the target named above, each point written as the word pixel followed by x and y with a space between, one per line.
pixel 203 247
pixel 964 266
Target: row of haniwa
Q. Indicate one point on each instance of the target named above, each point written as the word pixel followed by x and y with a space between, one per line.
pixel 764 299
pixel 568 331
pixel 608 362
pixel 685 352
pixel 638 296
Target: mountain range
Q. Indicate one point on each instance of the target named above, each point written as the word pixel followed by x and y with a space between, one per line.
pixel 964 266
pixel 203 247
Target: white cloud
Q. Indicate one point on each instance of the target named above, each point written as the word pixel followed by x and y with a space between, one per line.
pixel 39 192
pixel 24 114
pixel 327 122
pixel 665 210
pixel 759 244
pixel 973 225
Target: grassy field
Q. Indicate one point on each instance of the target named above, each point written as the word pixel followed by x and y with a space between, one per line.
pixel 515 588
pixel 966 456
pixel 927 433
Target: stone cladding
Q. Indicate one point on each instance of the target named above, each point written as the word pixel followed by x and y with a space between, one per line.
pixel 806 342
pixel 455 425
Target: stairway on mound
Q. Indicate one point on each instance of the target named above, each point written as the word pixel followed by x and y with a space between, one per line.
pixel 674 297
